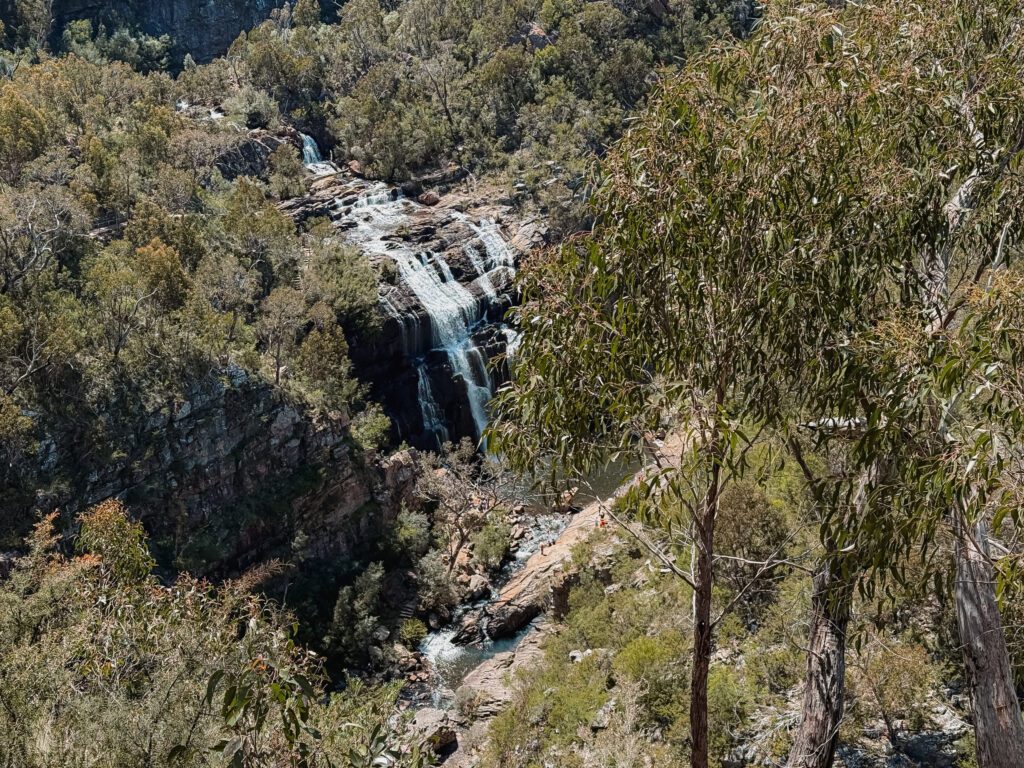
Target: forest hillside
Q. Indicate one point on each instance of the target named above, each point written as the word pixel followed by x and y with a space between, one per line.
pixel 546 383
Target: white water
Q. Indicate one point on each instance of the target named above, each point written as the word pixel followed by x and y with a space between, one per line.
pixel 454 310
pixel 312 159
pixel 482 270
pixel 433 420
pixel 513 340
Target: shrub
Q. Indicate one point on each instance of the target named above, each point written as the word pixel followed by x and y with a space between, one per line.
pixel 659 664
pixel 410 535
pixel 412 632
pixel 371 429
pixel 437 590
pixel 892 678
pixel 287 174
pixel 730 701
pixel 491 544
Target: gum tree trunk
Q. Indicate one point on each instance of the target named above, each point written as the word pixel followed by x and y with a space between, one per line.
pixel 998 728
pixel 824 688
pixel 701 651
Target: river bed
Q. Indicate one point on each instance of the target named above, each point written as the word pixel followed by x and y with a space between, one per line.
pixel 451 662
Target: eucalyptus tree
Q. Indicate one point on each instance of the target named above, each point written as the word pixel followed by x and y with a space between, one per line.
pixel 709 285
pixel 783 208
pixel 937 98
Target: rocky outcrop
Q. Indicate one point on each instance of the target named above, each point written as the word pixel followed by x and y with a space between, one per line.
pixel 251 155
pixel 488 689
pixel 545 580
pixel 227 471
pixel 435 728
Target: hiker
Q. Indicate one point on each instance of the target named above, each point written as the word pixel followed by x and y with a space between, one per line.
pixel 602 523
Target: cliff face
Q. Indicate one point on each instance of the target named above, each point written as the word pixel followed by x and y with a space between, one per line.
pixel 202 28
pixel 225 474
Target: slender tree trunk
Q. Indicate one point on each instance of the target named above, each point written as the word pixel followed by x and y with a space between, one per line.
pixel 701 659
pixel 703 582
pixel 824 688
pixel 998 728
pixel 825 684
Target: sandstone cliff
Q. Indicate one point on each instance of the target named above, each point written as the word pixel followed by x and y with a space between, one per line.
pixel 225 474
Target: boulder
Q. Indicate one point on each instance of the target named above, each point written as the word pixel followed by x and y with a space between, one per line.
pixel 436 728
pixel 469 631
pixel 478 587
pixel 603 717
pixel 533 36
pixel 250 156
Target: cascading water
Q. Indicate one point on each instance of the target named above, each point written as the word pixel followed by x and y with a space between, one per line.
pixel 433 421
pixel 312 159
pixel 455 310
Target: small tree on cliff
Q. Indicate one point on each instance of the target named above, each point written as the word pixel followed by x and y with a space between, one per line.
pixel 464 489
pixel 281 316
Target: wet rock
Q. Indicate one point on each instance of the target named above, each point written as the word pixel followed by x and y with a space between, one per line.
pixel 487 690
pixel 468 632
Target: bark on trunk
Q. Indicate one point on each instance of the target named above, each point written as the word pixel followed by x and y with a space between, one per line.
pixel 998 728
pixel 703 579
pixel 816 739
pixel 701 656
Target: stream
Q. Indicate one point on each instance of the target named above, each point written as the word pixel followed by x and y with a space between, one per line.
pixel 451 662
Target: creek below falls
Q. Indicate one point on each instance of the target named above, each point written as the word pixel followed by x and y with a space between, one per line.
pixel 450 662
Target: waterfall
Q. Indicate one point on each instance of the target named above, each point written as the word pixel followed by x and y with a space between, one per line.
pixel 433 421
pixel 499 253
pixel 482 271
pixel 312 159
pixel 310 150
pixel 454 311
